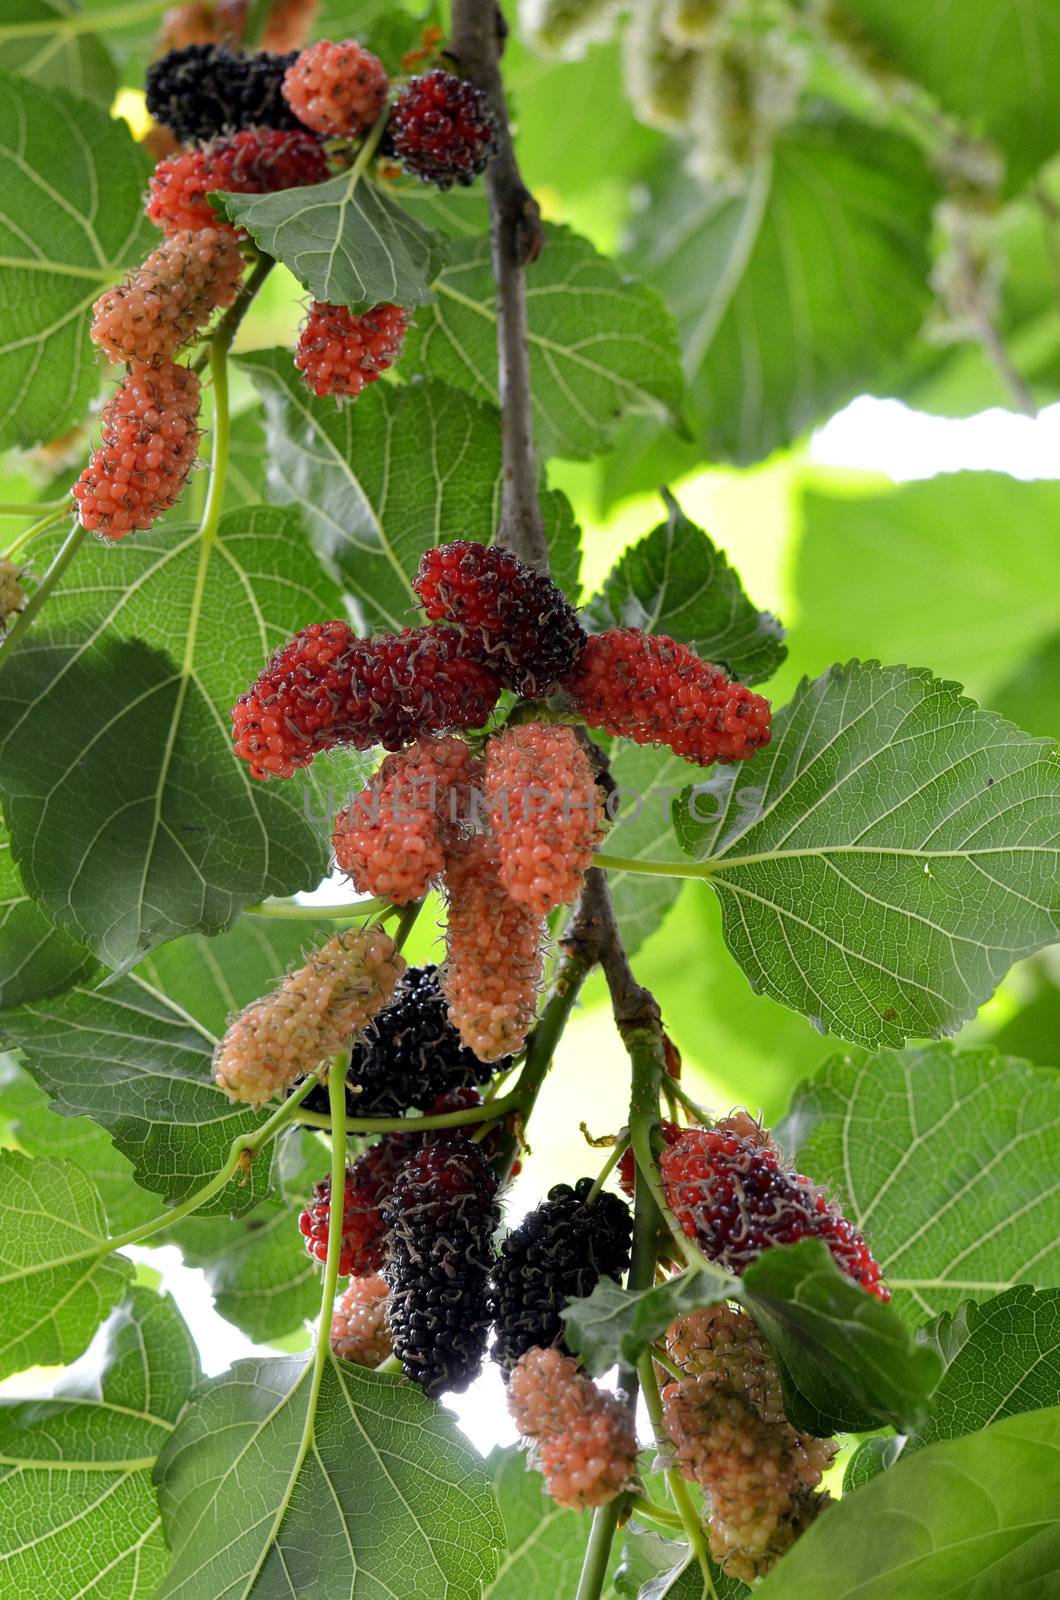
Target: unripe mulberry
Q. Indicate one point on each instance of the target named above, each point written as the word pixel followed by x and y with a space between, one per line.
pixel 359 1331
pixel 516 619
pixel 411 1054
pixel 442 129
pixel 493 961
pixel 203 22
pixel 559 1252
pixel 587 1445
pixel 408 685
pixel 735 1198
pixel 650 689
pixel 203 90
pixel 391 839
pixel 12 594
pixel 338 352
pixel 313 1013
pixel 171 298
pixel 566 27
pixel 148 446
pixel 256 161
pixel 544 812
pixel 440 1216
pixel 338 90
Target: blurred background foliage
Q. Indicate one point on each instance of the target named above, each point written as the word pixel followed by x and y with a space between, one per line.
pixel 834 200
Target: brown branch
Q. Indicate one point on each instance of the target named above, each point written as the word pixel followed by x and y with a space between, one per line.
pixel 516 239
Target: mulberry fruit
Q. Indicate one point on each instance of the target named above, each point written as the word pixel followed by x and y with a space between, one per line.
pixel 256 161
pixel 650 689
pixel 543 809
pixel 735 1198
pixel 391 838
pixel 296 707
pixel 338 90
pixel 171 297
pixel 369 1181
pixel 727 1423
pixel 338 353
pixel 409 685
pixel 442 129
pixel 313 1013
pixel 493 963
pixel 586 1442
pixel 411 1054
pixel 559 1252
pixel 516 619
pixel 627 1164
pixel 207 89
pixel 203 22
pixel 149 444
pixel 359 1331
pixel 440 1218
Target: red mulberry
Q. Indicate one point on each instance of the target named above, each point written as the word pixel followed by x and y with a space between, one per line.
pixel 520 624
pixel 313 1013
pixel 368 1182
pixel 338 90
pixel 256 161
pixel 493 964
pixel 442 129
pixel 203 90
pixel 359 1331
pixel 627 1165
pixel 440 1217
pixel 559 1252
pixel 339 353
pixel 296 707
pixel 727 1423
pixel 586 1441
pixel 734 1196
pixel 391 839
pixel 149 444
pixel 650 689
pixel 406 686
pixel 171 297
pixel 544 813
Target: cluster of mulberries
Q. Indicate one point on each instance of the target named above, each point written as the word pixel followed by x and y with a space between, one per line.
pixel 520 624
pixel 648 688
pixel 493 954
pixel 338 352
pixel 559 1252
pixel 149 442
pixel 726 1422
pixel 440 1216
pixel 313 1013
pixel 169 299
pixel 359 1329
pixel 583 1437
pixel 543 808
pixel 253 161
pixel 225 21
pixel 392 838
pixel 733 1194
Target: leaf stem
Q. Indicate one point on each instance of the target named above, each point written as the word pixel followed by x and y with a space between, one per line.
pixel 598 1550
pixel 608 1167
pixel 679 1491
pixel 490 1111
pixel 87 22
pixel 242 1152
pixel 654 869
pixel 336 1104
pixel 651 1511
pixel 27 508
pixel 62 559
pixel 53 515
pixel 350 910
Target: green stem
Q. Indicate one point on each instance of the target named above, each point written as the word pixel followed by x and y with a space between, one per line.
pixel 681 1094
pixel 598 1550
pixel 491 1111
pixel 679 1491
pixel 27 508
pixel 50 518
pixel 336 1104
pixel 406 923
pixel 226 330
pixel 63 557
pixel 215 494
pixel 654 869
pixel 242 1150
pixel 368 149
pixel 566 987
pixel 351 911
pixel 608 1167
pixel 91 22
pixel 651 1511
pixel 663 1360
